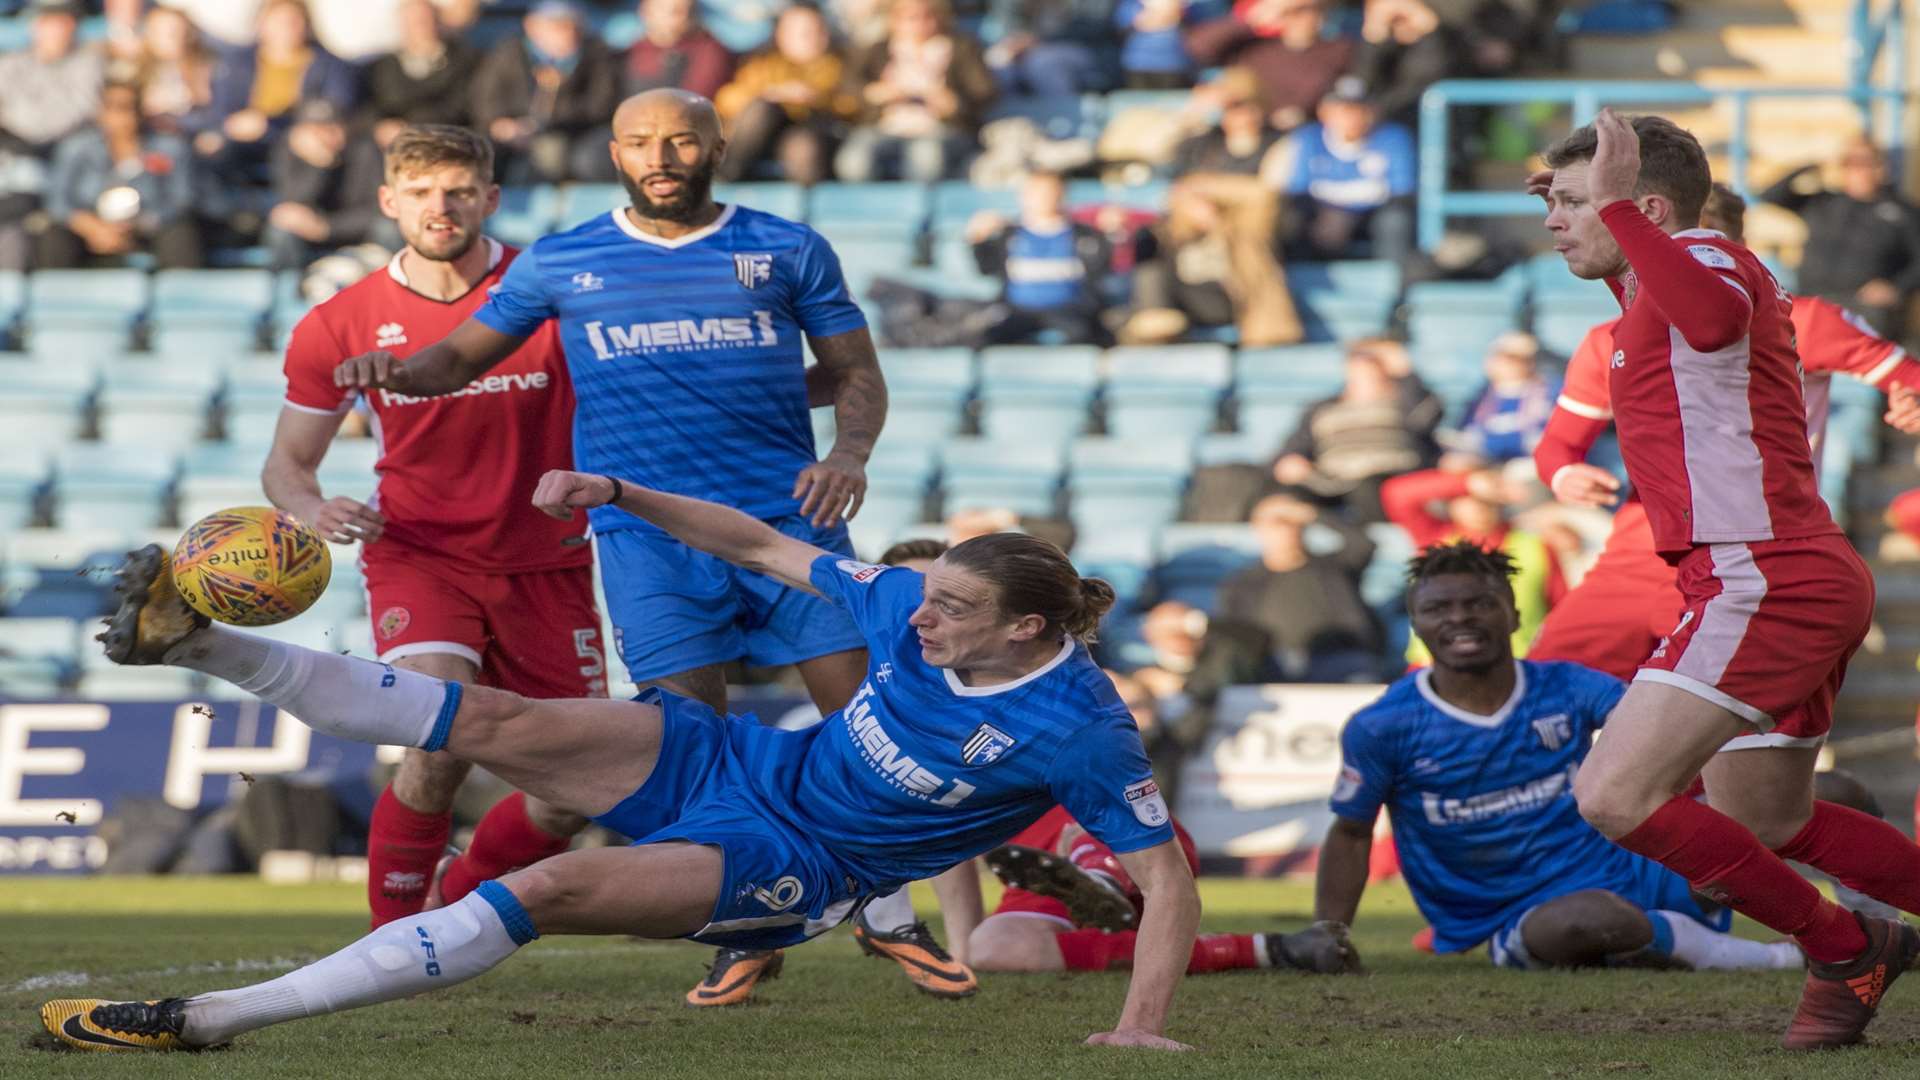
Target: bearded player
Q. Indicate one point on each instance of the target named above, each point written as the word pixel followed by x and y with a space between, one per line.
pixel 682 321
pixel 1705 391
pixel 466 581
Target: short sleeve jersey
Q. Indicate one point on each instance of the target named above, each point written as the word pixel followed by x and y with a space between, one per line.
pixel 456 472
pixel 920 771
pixel 1482 806
pixel 686 354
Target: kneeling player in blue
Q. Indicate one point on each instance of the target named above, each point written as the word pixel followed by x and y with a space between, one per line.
pixel 980 710
pixel 1474 760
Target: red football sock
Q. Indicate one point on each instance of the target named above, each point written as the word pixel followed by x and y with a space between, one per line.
pixel 403 845
pixel 1104 950
pixel 1861 852
pixel 1222 952
pixel 1728 863
pixel 504 841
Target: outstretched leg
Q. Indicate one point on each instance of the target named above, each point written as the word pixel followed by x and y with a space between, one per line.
pixel 1597 927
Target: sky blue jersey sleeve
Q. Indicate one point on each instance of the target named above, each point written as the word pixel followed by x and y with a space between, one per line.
pixel 519 304
pixel 1366 772
pixel 880 598
pixel 1104 780
pixel 822 306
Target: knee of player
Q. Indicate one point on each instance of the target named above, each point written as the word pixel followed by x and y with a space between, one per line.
pixel 1609 807
pixel 542 892
pixel 1585 927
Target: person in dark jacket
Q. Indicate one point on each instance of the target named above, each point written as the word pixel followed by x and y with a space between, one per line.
pixel 1863 241
pixel 118 187
pixel 674 50
pixel 255 90
pixel 1285 45
pixel 1050 267
pixel 326 185
pixel 1381 424
pixel 547 99
pixel 425 80
pixel 1308 604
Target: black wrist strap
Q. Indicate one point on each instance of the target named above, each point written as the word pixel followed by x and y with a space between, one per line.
pixel 617 491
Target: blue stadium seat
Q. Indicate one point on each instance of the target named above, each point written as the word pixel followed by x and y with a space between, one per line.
pixel 1035 392
pixel 578 202
pixel 1123 556
pixel 1194 559
pixel 1171 390
pixel 42 404
pixel 1148 196
pixel 526 214
pixel 957 200
pixel 1318 370
pixel 1560 328
pixel 896 210
pixel 927 389
pixel 1341 300
pixel 1502 295
pixel 112 485
pixel 37 656
pixel 1547 273
pixel 211 297
pixel 13 298
pixel 198 496
pixel 64 297
pixel 1055 117
pixel 1244 447
pixel 63 573
pixel 864 257
pixel 161 405
pixel 1020 476
pixel 250 406
pixel 1128 486
pixel 784 200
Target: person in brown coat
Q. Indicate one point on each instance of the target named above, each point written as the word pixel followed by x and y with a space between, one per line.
pixel 923 88
pixel 789 102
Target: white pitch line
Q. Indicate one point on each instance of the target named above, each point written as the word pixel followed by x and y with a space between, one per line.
pixel 71 980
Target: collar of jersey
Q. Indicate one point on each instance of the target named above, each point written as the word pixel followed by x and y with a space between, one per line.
pixel 1424 682
pixel 627 226
pixel 1699 234
pixel 494 254
pixel 954 684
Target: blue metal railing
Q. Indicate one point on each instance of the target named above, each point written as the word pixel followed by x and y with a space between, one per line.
pixel 1871 34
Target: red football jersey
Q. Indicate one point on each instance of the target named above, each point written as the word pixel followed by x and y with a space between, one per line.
pixel 457 472
pixel 1705 388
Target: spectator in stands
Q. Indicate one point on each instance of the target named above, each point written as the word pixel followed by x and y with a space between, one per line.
pixel 1284 43
pixel 256 89
pixel 1507 417
pixel 788 103
pixel 1349 181
pixel 547 99
pixel 424 81
pixel 1380 425
pixel 1863 240
pixel 1213 261
pixel 326 183
pixel 119 187
pixel 174 70
pixel 1309 605
pixel 23 178
pixel 1174 634
pixel 359 32
pixel 123 39
pixel 923 90
pixel 51 87
pixel 1049 49
pixel 1153 46
pixel 1050 267
pixel 675 50
pixel 1439 505
pixel 1404 48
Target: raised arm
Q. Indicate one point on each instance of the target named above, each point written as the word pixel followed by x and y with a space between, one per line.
pixel 441 368
pixel 1167 929
pixel 1342 876
pixel 847 374
pixel 720 531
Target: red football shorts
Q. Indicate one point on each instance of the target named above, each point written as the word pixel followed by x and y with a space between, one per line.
pixel 535 633
pixel 1620 610
pixel 1767 631
pixel 1045 835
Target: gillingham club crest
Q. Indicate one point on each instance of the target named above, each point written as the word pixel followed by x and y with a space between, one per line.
pixel 985 745
pixel 753 270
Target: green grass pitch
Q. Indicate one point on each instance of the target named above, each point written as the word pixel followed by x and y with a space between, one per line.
pixel 583 1008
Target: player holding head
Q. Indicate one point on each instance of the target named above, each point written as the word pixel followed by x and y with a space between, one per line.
pixel 682 322
pixel 465 580
pixel 1704 386
pixel 1474 759
pixel 982 710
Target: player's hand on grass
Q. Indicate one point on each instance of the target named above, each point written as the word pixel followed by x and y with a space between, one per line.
pixel 831 489
pixel 561 492
pixel 343 520
pixel 1903 410
pixel 1581 484
pixel 380 370
pixel 1615 169
pixel 1139 1040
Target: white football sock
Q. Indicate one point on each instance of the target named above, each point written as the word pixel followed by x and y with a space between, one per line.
pixel 345 696
pixel 1703 949
pixel 405 957
pixel 886 914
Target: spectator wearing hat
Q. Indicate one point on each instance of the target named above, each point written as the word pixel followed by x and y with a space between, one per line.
pixel 789 102
pixel 256 88
pixel 52 86
pixel 546 98
pixel 1284 43
pixel 120 187
pixel 923 89
pixel 675 51
pixel 326 186
pixel 424 81
pixel 1349 181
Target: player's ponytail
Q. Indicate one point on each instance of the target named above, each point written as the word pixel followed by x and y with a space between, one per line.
pixel 1033 577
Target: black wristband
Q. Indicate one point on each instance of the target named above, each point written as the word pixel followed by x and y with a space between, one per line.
pixel 617 492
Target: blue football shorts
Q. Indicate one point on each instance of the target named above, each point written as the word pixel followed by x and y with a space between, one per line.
pixel 780 888
pixel 675 609
pixel 1650 887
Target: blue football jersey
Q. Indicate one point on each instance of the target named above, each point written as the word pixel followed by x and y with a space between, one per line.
pixel 1482 806
pixel 920 771
pixel 686 354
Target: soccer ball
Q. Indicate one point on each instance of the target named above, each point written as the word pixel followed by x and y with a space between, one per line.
pixel 251 566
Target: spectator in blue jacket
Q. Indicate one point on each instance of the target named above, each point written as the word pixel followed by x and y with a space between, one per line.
pixel 256 87
pixel 1349 181
pixel 118 187
pixel 1509 414
pixel 1049 265
pixel 1153 49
